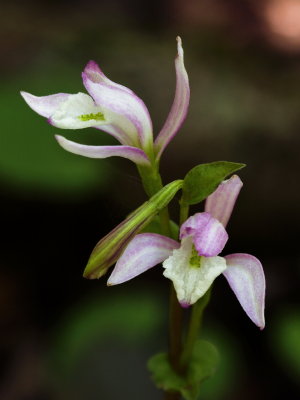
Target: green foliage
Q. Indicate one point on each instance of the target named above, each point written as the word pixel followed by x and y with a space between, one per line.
pixel 109 248
pixel 203 364
pixel 203 179
pixel 163 374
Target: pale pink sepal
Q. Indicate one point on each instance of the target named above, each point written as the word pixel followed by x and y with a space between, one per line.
pixel 45 105
pixel 121 101
pixel 221 202
pixel 179 107
pixel 143 252
pixel 246 278
pixel 95 73
pixel 209 235
pixel 132 153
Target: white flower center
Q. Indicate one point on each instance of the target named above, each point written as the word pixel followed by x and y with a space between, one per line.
pixel 192 275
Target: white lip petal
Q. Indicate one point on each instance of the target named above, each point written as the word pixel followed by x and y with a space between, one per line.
pixel 191 282
pixel 78 111
pixel 246 278
pixel 45 105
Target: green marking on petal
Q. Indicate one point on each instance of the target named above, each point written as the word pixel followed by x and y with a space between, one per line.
pixel 87 117
pixel 195 259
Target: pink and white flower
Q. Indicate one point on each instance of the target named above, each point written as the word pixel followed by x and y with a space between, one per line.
pixel 194 263
pixel 116 110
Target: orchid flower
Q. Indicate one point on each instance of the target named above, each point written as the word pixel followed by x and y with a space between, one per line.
pixel 116 110
pixel 194 263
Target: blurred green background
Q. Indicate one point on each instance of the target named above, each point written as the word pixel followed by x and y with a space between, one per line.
pixel 63 337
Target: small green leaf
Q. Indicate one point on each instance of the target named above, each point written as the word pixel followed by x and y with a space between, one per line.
pixel 109 248
pixel 163 375
pixel 203 179
pixel 203 364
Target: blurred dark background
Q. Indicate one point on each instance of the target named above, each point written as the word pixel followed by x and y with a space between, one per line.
pixel 64 337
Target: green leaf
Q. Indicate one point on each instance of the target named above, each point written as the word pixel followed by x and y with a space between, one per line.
pixel 204 362
pixel 109 248
pixel 163 375
pixel 203 179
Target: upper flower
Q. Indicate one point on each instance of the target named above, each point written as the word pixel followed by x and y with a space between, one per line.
pixel 194 263
pixel 114 109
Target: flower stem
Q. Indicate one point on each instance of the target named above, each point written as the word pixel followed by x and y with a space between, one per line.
pixel 193 329
pixel 175 338
pixel 175 330
pixel 184 212
pixel 152 183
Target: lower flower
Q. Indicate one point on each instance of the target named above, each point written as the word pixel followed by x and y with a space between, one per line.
pixel 194 264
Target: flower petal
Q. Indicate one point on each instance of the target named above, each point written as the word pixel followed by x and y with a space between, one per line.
pixel 209 235
pixel 45 105
pixel 246 278
pixel 221 202
pixel 191 282
pixel 78 111
pixel 96 75
pixel 128 111
pixel 64 111
pixel 143 252
pixel 116 132
pixel 179 107
pixel 132 153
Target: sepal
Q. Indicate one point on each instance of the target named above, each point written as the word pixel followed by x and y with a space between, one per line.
pixel 131 153
pixel 128 111
pixel 179 107
pixel 246 278
pixel 143 252
pixel 221 202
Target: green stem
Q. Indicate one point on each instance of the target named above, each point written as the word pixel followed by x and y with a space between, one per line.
pixel 193 330
pixel 151 179
pixel 152 183
pixel 184 212
pixel 175 330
